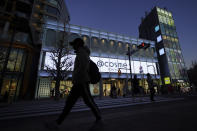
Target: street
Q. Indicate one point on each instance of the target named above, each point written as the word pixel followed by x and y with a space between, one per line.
pixel 177 115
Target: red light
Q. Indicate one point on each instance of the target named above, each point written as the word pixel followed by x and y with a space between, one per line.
pixel 142 44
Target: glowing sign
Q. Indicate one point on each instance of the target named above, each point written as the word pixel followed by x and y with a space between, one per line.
pixel 167 80
pixel 111 65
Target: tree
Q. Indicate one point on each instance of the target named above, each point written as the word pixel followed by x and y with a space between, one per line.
pixel 62 62
pixel 192 73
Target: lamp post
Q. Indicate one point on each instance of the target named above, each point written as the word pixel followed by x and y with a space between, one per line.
pixel 129 55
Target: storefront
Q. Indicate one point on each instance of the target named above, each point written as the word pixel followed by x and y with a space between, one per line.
pixel 14 74
pixel 109 70
pixel 108 51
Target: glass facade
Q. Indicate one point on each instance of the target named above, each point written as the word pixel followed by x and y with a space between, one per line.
pixel 108 48
pixel 171 43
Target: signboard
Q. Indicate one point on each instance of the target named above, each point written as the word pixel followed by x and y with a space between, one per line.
pixel 112 65
pixel 167 80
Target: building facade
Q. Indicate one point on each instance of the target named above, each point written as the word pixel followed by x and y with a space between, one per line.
pixel 158 26
pixel 21 27
pixel 108 51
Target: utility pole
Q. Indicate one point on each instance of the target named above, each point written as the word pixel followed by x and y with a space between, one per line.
pixel 129 55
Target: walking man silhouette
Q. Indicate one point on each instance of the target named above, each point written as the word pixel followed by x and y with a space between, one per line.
pixel 80 80
pixel 151 87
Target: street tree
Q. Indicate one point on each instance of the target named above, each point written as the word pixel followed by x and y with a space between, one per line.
pixel 61 62
pixel 192 74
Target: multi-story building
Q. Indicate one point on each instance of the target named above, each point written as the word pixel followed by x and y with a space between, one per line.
pixel 21 28
pixel 159 26
pixel 108 51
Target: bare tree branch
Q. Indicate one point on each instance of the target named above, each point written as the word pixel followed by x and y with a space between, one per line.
pixel 62 62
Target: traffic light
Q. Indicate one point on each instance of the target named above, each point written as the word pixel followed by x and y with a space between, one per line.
pixel 143 46
pixel 119 72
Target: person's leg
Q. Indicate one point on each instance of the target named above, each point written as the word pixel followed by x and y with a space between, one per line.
pixel 89 101
pixel 152 96
pixel 71 100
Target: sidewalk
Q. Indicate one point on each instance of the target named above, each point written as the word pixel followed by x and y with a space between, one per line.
pixel 51 100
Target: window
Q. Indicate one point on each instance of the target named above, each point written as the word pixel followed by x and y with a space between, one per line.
pixel 159 39
pixel 54 2
pixel 164 37
pixel 16 60
pixel 162 28
pixel 161 51
pixel 19 61
pixel 12 60
pixel 52 10
pixel 158 10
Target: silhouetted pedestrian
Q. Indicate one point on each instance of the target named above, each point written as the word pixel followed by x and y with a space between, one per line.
pixel 124 90
pixel 5 97
pixel 113 91
pixel 81 80
pixel 151 87
pixel 135 85
pixel 52 92
pixel 119 92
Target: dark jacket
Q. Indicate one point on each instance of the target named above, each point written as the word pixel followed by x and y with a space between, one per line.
pixel 81 66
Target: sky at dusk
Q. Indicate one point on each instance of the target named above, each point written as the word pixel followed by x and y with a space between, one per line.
pixel 124 17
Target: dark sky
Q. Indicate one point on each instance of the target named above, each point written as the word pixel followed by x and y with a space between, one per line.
pixel 124 16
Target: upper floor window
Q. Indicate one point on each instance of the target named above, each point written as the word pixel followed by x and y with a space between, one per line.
pixel 159 39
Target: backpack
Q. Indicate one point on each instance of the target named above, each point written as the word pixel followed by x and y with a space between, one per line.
pixel 94 73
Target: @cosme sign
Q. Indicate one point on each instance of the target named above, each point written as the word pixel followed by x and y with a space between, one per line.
pixel 101 63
